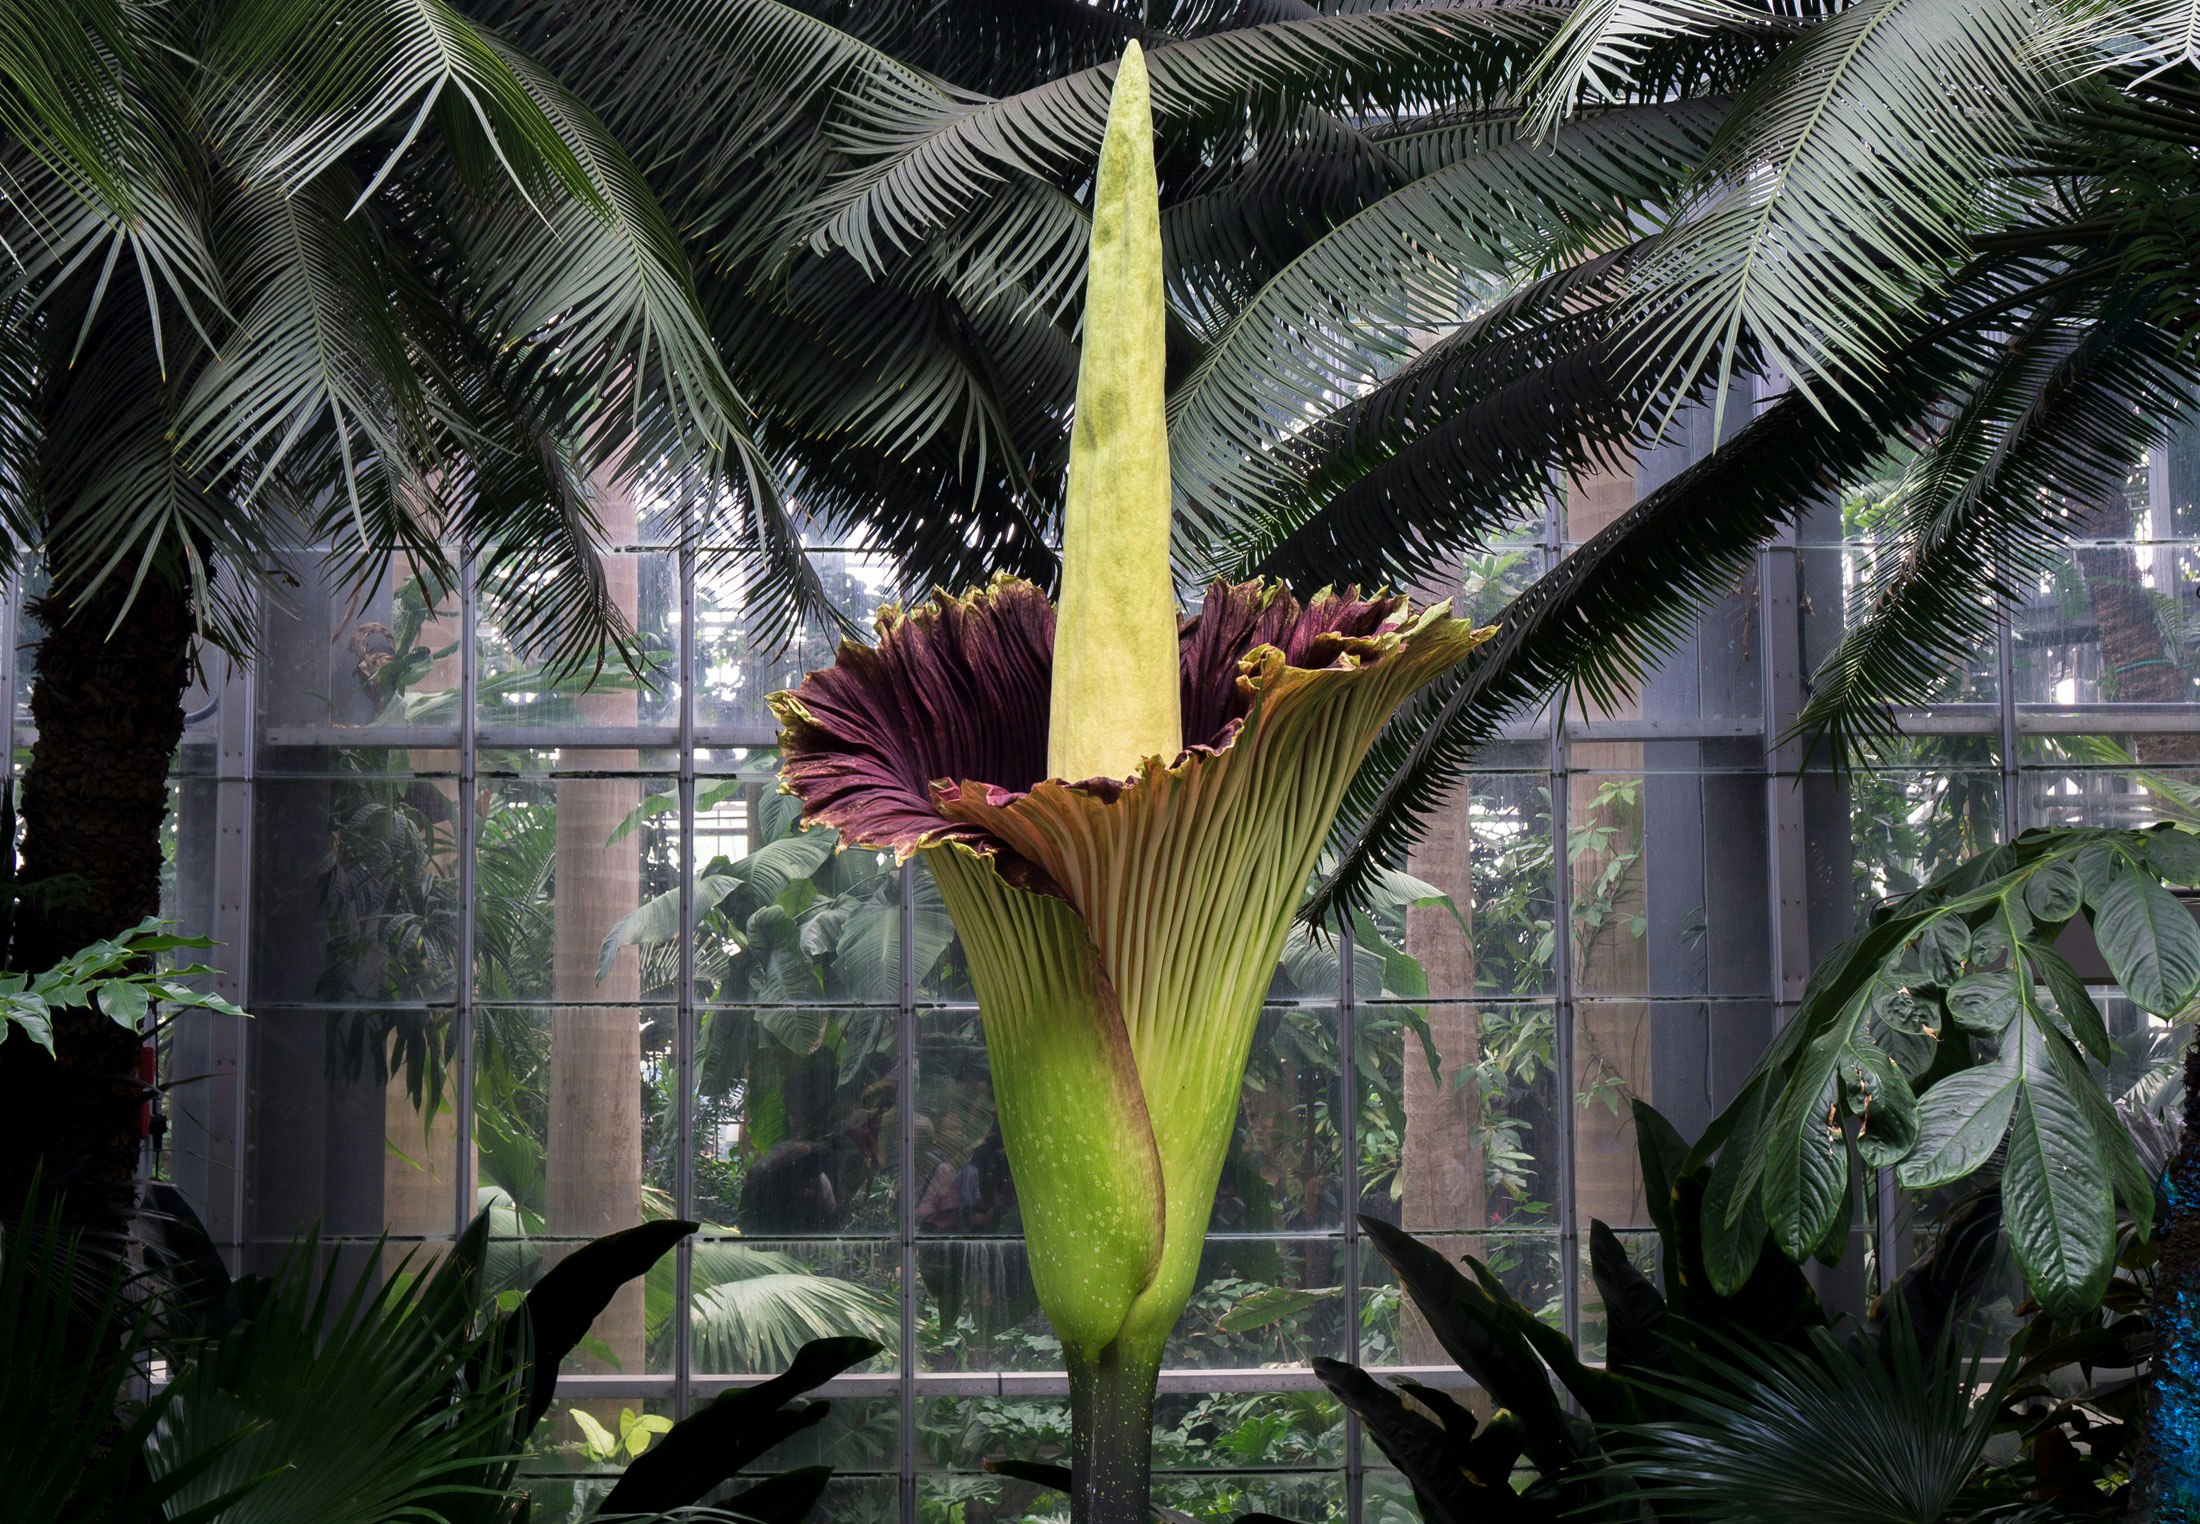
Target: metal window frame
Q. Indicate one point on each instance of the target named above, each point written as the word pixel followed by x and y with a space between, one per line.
pixel 1779 625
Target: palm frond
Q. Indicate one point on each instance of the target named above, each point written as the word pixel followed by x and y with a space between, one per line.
pixel 1368 294
pixel 354 1408
pixel 1841 190
pixel 122 504
pixel 1606 48
pixel 2145 37
pixel 2071 400
pixel 316 348
pixel 600 287
pixel 69 245
pixel 1464 449
pixel 513 489
pixel 306 83
pixel 1000 49
pixel 1889 1431
pixel 1594 622
pixel 754 1308
pixel 1227 233
pixel 925 153
pixel 697 89
pixel 63 92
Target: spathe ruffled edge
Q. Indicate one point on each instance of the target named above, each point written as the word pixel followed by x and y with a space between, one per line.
pixel 898 745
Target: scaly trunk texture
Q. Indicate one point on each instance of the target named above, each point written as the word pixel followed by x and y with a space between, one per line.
pixel 109 712
pixel 2141 664
pixel 2170 1472
pixel 1111 1431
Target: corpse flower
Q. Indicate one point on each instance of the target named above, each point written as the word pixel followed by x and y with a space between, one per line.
pixel 1122 896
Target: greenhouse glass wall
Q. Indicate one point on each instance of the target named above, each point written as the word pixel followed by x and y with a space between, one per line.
pixel 558 951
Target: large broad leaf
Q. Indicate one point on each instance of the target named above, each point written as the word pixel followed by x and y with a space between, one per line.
pixel 2148 938
pixel 2077 1015
pixel 1961 1121
pixel 1806 1154
pixel 702 1451
pixel 1634 1313
pixel 783 1499
pixel 2055 1193
pixel 1469 1325
pixel 556 1314
pixel 1430 1457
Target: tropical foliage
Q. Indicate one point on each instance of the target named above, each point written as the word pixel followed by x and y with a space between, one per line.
pixel 1949 1032
pixel 366 1391
pixel 115 976
pixel 1709 1403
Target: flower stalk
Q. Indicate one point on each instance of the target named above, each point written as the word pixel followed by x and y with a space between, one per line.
pixel 1122 896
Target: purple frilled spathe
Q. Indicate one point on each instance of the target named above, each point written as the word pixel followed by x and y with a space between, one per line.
pixel 925 737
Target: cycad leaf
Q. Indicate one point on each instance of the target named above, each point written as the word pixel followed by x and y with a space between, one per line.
pixel 1841 189
pixel 1371 292
pixel 926 153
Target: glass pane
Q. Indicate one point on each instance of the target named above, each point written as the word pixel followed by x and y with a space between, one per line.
pixel 576 885
pixel 2111 623
pixel 565 1448
pixel 522 684
pixel 1838 582
pixel 738 666
pixel 758 1301
pixel 1216 1452
pixel 1258 1301
pixel 1393 1332
pixel 1459 1121
pixel 355 882
pixel 2116 781
pixel 575 1113
pixel 1667 875
pixel 1477 919
pixel 797 1119
pixel 1923 806
pixel 1687 1058
pixel 343 666
pixel 351 1123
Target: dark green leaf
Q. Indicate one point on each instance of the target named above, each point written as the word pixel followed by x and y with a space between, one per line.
pixel 1421 1450
pixel 707 1447
pixel 2175 854
pixel 571 1295
pixel 2148 937
pixel 1487 1346
pixel 2054 891
pixel 1961 1121
pixel 1940 947
pixel 2055 1197
pixel 787 1498
pixel 1806 1156
pixel 1984 1003
pixel 2081 1019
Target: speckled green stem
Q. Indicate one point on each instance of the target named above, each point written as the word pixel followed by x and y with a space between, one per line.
pixel 1111 1434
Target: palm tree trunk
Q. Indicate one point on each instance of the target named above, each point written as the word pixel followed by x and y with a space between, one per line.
pixel 108 706
pixel 593 1165
pixel 1441 1171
